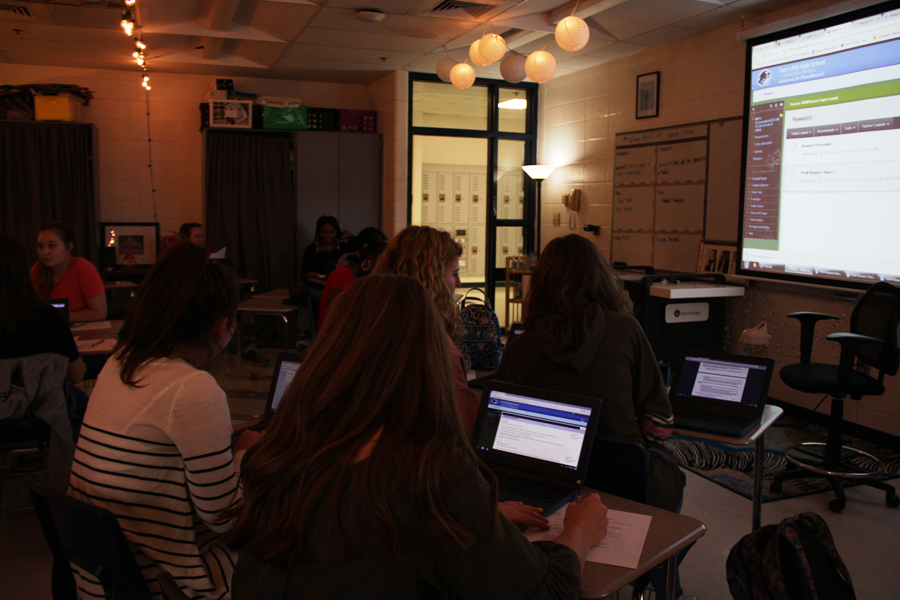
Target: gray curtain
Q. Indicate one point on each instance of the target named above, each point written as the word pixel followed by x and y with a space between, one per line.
pixel 250 204
pixel 46 174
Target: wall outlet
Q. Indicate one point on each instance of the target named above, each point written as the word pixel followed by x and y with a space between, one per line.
pixel 556 218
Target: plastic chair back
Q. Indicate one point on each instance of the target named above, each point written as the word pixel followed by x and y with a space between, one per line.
pixel 877 314
pixel 620 468
pixel 90 537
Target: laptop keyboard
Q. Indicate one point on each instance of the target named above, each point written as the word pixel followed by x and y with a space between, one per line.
pixel 520 486
pixel 711 417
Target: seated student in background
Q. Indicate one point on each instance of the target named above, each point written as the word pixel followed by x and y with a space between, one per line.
pixel 29 326
pixel 325 248
pixel 359 265
pixel 61 273
pixel 193 232
pixel 354 243
pixel 366 485
pixel 580 338
pixel 155 445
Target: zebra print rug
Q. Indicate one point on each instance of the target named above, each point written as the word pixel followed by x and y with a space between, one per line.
pixel 732 466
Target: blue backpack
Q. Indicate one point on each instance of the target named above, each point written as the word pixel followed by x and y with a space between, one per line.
pixel 482 340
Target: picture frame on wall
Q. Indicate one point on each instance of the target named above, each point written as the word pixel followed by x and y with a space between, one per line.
pixel 647 104
pixel 717 257
pixel 132 244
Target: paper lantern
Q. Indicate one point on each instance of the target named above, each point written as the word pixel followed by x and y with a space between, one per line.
pixel 492 47
pixel 475 55
pixel 462 75
pixel 443 68
pixel 540 66
pixel 572 34
pixel 512 67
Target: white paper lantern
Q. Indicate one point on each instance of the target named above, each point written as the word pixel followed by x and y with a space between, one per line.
pixel 462 75
pixel 512 67
pixel 444 66
pixel 572 34
pixel 492 47
pixel 475 54
pixel 540 66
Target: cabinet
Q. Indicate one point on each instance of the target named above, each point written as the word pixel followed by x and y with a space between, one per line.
pixel 518 280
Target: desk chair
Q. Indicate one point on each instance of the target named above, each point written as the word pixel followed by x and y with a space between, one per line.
pixel 90 537
pixel 872 342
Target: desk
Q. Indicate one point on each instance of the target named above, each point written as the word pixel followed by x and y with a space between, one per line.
pixel 105 333
pixel 118 285
pixel 269 305
pixel 754 436
pixel 669 533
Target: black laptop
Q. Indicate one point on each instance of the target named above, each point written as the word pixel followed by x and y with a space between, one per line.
pixel 286 366
pixel 720 393
pixel 537 442
pixel 515 330
pixel 62 305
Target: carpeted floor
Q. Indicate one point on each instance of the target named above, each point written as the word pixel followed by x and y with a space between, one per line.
pixel 732 466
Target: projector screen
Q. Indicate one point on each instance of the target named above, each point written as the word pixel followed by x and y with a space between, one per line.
pixel 820 200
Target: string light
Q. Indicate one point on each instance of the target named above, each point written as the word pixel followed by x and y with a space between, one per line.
pixel 127 25
pixel 130 2
pixel 146 83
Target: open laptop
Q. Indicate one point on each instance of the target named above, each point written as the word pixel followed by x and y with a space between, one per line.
pixel 286 366
pixel 720 393
pixel 515 330
pixel 537 442
pixel 62 305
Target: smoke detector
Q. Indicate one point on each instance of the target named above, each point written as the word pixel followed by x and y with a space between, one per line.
pixel 370 15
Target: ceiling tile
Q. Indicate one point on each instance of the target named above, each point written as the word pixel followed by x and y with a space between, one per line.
pixel 374 41
pixel 663 35
pixel 635 17
pixel 359 77
pixel 284 21
pixel 412 26
pixel 361 55
pixel 619 50
pixel 263 53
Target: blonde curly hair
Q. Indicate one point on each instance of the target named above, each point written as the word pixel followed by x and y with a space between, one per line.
pixel 424 253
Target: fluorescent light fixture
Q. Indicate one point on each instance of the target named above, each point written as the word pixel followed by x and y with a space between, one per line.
pixel 514 104
pixel 539 171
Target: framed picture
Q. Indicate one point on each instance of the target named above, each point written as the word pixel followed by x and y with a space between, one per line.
pixel 131 243
pixel 717 257
pixel 647 95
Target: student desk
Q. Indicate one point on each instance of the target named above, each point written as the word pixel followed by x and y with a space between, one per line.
pixel 269 305
pixel 754 436
pixel 86 335
pixel 668 534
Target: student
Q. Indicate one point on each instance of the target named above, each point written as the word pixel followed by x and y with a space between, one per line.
pixel 155 445
pixel 366 486
pixel 432 257
pixel 193 232
pixel 325 248
pixel 359 265
pixel 580 338
pixel 61 273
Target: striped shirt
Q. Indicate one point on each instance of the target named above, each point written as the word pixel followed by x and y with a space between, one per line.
pixel 159 458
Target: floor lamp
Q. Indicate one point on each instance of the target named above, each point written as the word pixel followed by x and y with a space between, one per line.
pixel 539 173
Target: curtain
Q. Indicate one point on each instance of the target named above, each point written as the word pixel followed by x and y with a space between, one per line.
pixel 250 204
pixel 46 174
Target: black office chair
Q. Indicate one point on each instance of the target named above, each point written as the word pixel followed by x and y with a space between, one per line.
pixel 90 537
pixel 872 342
pixel 620 468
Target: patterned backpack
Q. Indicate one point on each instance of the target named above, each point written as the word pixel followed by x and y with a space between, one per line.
pixel 482 338
pixel 794 560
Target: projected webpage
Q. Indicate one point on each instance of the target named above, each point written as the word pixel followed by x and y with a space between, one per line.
pixel 823 153
pixel 541 429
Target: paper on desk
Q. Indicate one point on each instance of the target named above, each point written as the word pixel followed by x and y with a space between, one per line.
pixel 220 253
pixel 101 345
pixel 92 326
pixel 622 545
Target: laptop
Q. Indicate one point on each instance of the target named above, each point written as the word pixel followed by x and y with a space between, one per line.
pixel 515 330
pixel 62 305
pixel 286 366
pixel 537 442
pixel 720 393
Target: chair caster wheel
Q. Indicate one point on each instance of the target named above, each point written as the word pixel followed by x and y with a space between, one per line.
pixel 837 505
pixel 775 486
pixel 892 500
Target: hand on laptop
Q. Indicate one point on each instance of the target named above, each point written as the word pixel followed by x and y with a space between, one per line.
pixel 522 514
pixel 247 439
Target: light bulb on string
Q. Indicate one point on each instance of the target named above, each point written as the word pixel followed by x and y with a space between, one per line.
pixel 130 2
pixel 127 26
pixel 140 45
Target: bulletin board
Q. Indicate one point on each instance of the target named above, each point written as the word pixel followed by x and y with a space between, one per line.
pixel 672 188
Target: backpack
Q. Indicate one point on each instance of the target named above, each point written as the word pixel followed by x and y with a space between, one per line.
pixel 794 560
pixel 482 338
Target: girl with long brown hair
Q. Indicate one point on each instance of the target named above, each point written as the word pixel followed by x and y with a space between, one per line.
pixel 366 485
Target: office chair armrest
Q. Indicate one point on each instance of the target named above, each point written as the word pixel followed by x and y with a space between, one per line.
pixel 808 322
pixel 850 343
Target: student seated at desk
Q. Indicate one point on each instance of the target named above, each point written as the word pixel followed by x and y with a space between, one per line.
pixel 61 273
pixel 155 445
pixel 325 248
pixel 359 264
pixel 366 485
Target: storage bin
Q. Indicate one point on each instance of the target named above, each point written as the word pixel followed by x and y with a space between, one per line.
pixel 361 121
pixel 231 113
pixel 288 117
pixel 55 107
pixel 322 119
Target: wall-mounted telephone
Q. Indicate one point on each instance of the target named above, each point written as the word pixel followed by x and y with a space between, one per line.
pixel 574 202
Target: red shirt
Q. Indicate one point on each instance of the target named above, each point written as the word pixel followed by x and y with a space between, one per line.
pixel 80 283
pixel 340 279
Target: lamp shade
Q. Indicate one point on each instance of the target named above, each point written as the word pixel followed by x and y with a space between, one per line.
pixel 462 75
pixel 539 171
pixel 492 47
pixel 572 34
pixel 540 66
pixel 512 67
pixel 475 54
pixel 443 68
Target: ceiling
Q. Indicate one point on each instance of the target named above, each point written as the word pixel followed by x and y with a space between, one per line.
pixel 324 40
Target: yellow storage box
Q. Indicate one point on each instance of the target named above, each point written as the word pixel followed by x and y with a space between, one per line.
pixel 55 107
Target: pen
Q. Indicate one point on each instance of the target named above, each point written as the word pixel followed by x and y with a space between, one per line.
pixel 97 343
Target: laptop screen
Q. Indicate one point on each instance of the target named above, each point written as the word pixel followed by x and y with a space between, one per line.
pixel 722 379
pixel 286 370
pixel 62 305
pixel 540 429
